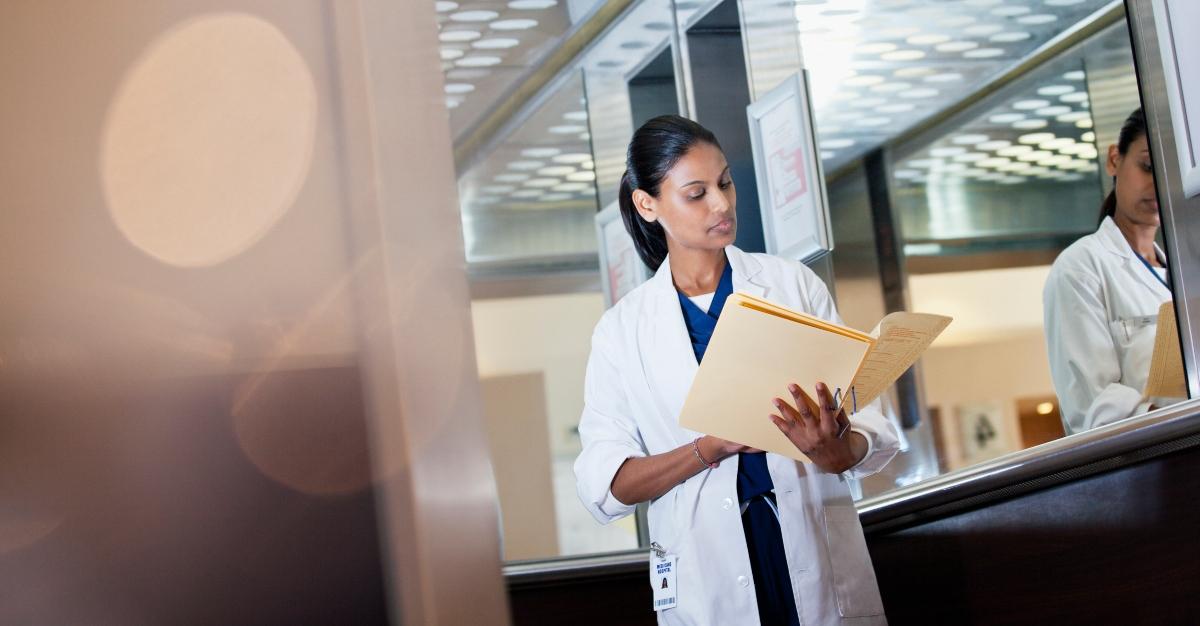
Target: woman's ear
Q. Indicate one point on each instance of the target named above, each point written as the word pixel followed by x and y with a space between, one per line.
pixel 1113 161
pixel 645 205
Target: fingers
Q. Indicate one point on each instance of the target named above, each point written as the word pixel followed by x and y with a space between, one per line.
pixel 804 403
pixel 827 422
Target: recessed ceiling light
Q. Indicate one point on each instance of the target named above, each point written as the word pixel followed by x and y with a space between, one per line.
pixel 1087 123
pixel 453 103
pixel 526 193
pixel 1075 75
pixel 572 157
pixel 899 107
pixel 496 43
pixel 927 40
pixel 1088 137
pixel 913 72
pixel 576 116
pixel 1035 138
pixel 566 129
pixel 1010 37
pixel 459 88
pixel 444 6
pixel 956 46
pixel 478 61
pixel 1074 116
pixel 541 182
pixel 540 153
pixel 450 36
pixel 891 87
pixel 1056 143
pixel 571 187
pixel 983 53
pixel 922 163
pixel 531 5
pixel 474 16
pixel 1055 90
pixel 1013 151
pixel 582 177
pixel 555 197
pixel 511 178
pixel 827 155
pixel 969 139
pixel 1040 18
pixel 903 55
pixel 981 3
pixel 947 77
pixel 1077 97
pixel 497 188
pixel 1006 118
pixel 970 157
pixel 993 145
pixel 1051 111
pixel 1030 124
pixel 993 162
pixel 1029 105
pixel 556 170
pixel 520 24
pixel 525 165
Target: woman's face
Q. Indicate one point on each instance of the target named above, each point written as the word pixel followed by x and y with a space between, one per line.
pixel 1136 201
pixel 696 201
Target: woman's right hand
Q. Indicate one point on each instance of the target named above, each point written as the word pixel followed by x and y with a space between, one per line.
pixel 721 449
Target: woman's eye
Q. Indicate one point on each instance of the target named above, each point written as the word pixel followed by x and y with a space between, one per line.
pixel 697 196
pixel 1147 166
pixel 725 184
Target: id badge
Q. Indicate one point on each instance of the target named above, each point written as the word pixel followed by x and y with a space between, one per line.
pixel 662 578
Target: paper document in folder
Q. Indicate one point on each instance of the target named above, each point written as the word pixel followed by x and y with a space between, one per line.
pixel 759 348
pixel 1166 379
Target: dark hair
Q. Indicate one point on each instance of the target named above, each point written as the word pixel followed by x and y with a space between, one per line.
pixel 1133 128
pixel 653 151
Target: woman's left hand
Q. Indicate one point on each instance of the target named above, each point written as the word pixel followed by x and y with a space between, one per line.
pixel 820 430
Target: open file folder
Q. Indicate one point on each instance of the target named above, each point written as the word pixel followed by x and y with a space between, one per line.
pixel 759 348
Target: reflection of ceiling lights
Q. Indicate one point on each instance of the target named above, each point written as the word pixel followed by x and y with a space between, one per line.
pixel 581 177
pixel 519 24
pixel 566 129
pixel 444 6
pixel 556 170
pixel 572 157
pixel 449 54
pixel 531 5
pixel 511 178
pixel 451 36
pixel 575 116
pixel 459 88
pixel 540 153
pixel 541 182
pixel 496 43
pixel 555 197
pixel 478 61
pixel 525 165
pixel 474 16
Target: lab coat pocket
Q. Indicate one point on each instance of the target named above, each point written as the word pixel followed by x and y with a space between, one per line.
pixel 1134 339
pixel 853 575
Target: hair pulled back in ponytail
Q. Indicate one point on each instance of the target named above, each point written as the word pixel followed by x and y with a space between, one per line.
pixel 1133 129
pixel 655 148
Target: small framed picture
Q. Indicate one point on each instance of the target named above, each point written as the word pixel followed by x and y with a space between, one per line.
pixel 621 269
pixel 1180 49
pixel 787 164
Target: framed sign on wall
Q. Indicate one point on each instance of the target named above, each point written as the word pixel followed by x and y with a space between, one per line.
pixel 791 184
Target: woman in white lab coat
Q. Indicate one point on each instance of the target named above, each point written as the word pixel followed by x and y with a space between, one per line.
pixel 756 538
pixel 1103 294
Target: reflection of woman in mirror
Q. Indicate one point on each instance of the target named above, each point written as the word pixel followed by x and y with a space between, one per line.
pixel 1103 295
pixel 759 538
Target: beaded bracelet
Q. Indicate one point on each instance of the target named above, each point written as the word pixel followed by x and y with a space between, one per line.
pixel 696 449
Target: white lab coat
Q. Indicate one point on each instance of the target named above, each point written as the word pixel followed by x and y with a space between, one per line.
pixel 1101 313
pixel 638 375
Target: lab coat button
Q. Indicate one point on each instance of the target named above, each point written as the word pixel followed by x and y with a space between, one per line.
pixel 727 503
pixel 743 581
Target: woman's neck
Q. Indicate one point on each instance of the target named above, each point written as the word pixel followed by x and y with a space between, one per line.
pixel 697 272
pixel 1140 237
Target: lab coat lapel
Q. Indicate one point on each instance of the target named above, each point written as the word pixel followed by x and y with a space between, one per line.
pixel 667 356
pixel 1117 244
pixel 747 273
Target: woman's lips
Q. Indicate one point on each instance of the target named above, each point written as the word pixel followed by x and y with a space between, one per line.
pixel 723 226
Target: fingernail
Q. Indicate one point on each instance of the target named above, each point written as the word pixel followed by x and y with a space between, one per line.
pixel 778 403
pixel 793 388
pixel 821 387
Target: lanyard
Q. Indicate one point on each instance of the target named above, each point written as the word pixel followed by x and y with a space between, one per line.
pixel 1150 268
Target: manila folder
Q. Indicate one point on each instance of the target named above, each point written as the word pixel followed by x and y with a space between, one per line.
pixel 1166 379
pixel 756 351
